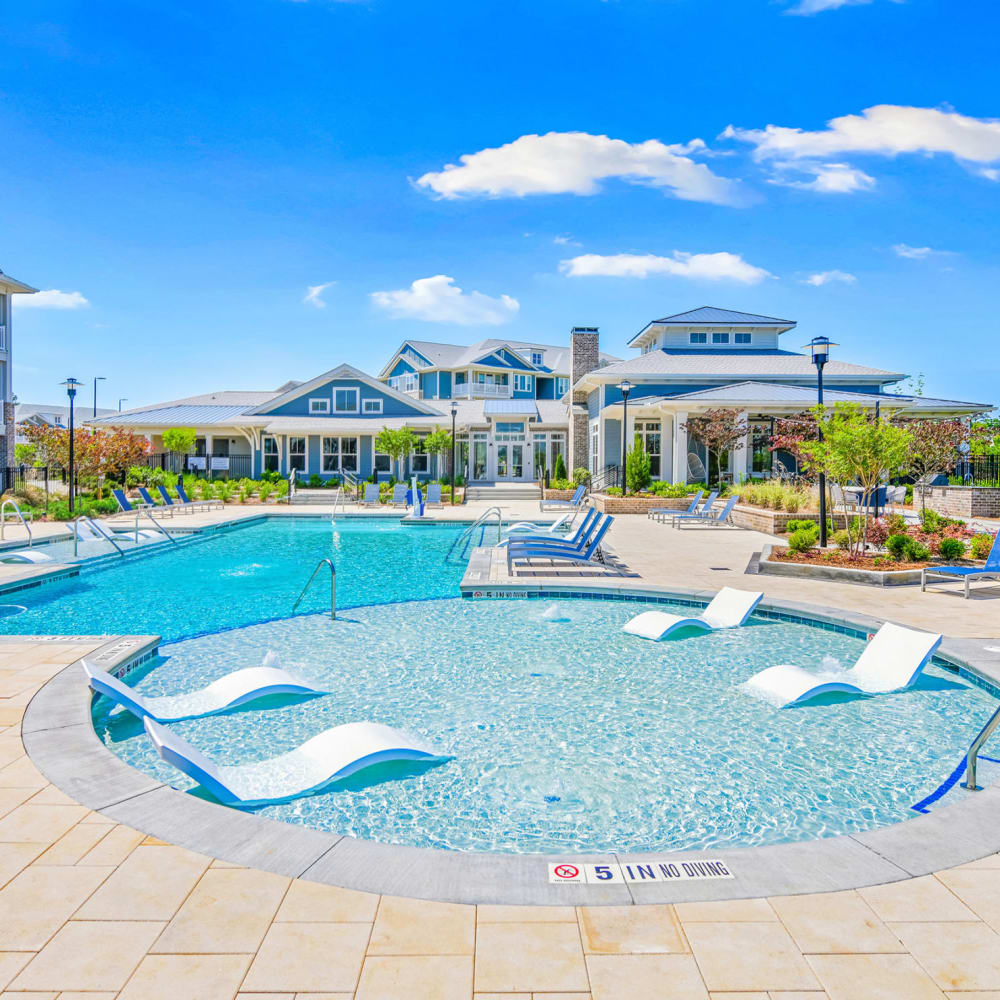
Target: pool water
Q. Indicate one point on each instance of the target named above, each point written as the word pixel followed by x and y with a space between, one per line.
pixel 565 734
pixel 250 574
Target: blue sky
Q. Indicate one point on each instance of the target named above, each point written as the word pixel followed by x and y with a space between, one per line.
pixel 177 177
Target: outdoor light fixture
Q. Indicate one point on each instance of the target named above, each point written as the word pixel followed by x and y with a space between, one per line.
pixel 124 399
pixel 97 378
pixel 819 347
pixel 454 414
pixel 624 387
pixel 71 385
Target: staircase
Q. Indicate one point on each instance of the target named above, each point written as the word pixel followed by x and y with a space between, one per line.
pixel 499 493
pixel 320 496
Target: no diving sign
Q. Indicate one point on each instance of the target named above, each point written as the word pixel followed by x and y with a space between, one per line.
pixel 653 871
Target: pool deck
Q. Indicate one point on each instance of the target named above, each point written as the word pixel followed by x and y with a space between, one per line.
pixel 91 907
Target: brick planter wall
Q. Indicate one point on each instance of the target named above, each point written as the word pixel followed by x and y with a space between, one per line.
pixel 962 501
pixel 771 522
pixel 637 504
pixel 557 494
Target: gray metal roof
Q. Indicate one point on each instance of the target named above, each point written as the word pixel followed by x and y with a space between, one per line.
pixel 712 315
pixel 510 407
pixel 179 415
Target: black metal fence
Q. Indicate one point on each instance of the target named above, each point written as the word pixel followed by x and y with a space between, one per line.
pixel 610 475
pixel 979 470
pixel 237 466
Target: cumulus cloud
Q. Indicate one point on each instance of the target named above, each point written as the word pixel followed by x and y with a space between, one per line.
pixel 915 253
pixel 440 300
pixel 702 266
pixel 808 7
pixel 52 298
pixel 826 277
pixel 827 178
pixel 576 163
pixel 314 294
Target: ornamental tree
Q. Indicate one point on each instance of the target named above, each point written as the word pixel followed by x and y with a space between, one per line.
pixel 179 440
pixel 637 468
pixel 857 449
pixel 397 444
pixel 719 430
pixel 935 449
pixel 789 435
pixel 438 443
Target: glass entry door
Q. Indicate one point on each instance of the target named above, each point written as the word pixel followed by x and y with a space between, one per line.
pixel 510 461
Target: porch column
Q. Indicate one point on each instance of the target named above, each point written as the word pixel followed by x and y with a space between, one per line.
pixel 741 452
pixel 680 448
pixel 208 454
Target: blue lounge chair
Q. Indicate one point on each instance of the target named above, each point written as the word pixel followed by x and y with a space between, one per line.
pixel 148 501
pixel 571 557
pixel 126 506
pixel 967 573
pixel 709 518
pixel 171 503
pixel 326 758
pixel 399 492
pixel 371 497
pixel 675 518
pixel 659 513
pixel 578 495
pixel 433 498
pixel 187 501
pixel 576 537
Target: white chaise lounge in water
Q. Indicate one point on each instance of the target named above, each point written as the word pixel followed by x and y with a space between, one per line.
pixel 319 762
pixel 227 692
pixel 730 608
pixel 25 556
pixel 892 661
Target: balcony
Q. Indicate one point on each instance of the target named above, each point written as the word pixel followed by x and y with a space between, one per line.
pixel 481 390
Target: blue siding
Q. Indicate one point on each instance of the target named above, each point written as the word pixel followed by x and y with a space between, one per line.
pixel 428 384
pixel 594 403
pixel 523 394
pixel 444 385
pixel 545 388
pixel 299 407
pixel 401 367
pixel 612 442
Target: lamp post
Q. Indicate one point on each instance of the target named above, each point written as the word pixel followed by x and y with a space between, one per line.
pixel 97 378
pixel 124 399
pixel 71 385
pixel 624 388
pixel 454 414
pixel 820 348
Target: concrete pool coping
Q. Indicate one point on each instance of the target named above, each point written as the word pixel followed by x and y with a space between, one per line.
pixel 59 737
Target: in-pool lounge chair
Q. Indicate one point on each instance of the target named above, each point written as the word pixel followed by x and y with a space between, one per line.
pixel 676 516
pixel 543 530
pixel 371 498
pixel 433 496
pixel 399 492
pixel 148 501
pixel 188 502
pixel 659 513
pixel 319 762
pixel 227 692
pixel 577 537
pixel 729 608
pixel 967 573
pixel 708 517
pixel 568 555
pixel 578 494
pixel 892 661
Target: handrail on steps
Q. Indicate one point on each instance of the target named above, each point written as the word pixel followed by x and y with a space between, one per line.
pixel 466 535
pixel 94 526
pixel 973 754
pixel 333 587
pixel 20 516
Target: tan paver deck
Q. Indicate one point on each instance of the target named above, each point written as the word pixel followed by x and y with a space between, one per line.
pixel 92 909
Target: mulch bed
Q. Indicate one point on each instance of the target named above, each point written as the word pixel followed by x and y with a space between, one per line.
pixel 836 557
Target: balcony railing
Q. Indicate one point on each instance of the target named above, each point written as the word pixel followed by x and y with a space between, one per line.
pixel 481 390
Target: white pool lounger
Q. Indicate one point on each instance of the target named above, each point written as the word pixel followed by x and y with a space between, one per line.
pixel 25 556
pixel 892 661
pixel 730 608
pixel 325 758
pixel 227 692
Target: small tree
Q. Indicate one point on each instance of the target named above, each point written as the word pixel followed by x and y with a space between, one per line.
pixel 25 454
pixel 397 444
pixel 438 443
pixel 179 440
pixel 935 449
pixel 857 449
pixel 637 467
pixel 719 430
pixel 559 472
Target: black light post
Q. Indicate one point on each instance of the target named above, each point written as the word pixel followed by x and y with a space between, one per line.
pixel 625 388
pixel 877 418
pixel 454 414
pixel 820 347
pixel 97 378
pixel 71 385
pixel 124 399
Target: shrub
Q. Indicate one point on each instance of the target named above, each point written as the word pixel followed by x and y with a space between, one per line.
pixel 952 548
pixel 878 532
pixel 637 469
pixel 980 545
pixel 930 521
pixel 803 539
pixel 265 490
pixel 897 545
pixel 896 524
pixel 137 475
pixel 613 491
pixel 842 540
pixel 917 551
pixel 559 472
pixel 581 476
pixel 314 481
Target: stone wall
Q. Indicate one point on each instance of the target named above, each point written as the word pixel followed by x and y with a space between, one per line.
pixel 584 357
pixel 771 522
pixel 963 501
pixel 10 432
pixel 638 504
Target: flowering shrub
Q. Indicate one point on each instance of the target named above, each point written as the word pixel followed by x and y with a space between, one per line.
pixel 775 496
pixel 980 545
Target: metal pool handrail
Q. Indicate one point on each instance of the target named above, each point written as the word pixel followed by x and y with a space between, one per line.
pixel 467 534
pixel 96 527
pixel 333 587
pixel 977 744
pixel 156 524
pixel 20 516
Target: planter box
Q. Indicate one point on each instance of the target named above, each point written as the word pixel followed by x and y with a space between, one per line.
pixel 962 501
pixel 637 504
pixel 558 494
pixel 770 522
pixel 837 574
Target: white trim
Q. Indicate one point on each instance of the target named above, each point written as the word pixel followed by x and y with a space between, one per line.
pixel 319 399
pixel 304 471
pixel 365 402
pixel 346 388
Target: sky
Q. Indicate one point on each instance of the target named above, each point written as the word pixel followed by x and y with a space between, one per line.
pixel 232 194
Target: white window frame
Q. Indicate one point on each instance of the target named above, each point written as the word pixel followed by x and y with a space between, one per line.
pixel 720 338
pixel 697 338
pixel 747 338
pixel 376 455
pixel 347 388
pixel 304 471
pixel 265 454
pixel 595 446
pixel 524 383
pixel 338 466
pixel 365 403
pixel 562 387
pixel 423 456
pixel 537 358
pixel 323 406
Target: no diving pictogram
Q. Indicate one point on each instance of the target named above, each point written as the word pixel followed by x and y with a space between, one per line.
pixel 567 871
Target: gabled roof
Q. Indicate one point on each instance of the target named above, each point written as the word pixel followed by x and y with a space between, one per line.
pixel 9 284
pixel 714 316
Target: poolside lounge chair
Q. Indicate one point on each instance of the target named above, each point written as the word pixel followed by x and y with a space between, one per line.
pixel 28 555
pixel 319 762
pixel 125 505
pixel 578 494
pixel 729 608
pixel 371 497
pixel 433 496
pixel 892 661
pixel 227 692
pixel 575 540
pixel 531 528
pixel 169 502
pixel 148 501
pixel 187 501
pixel 399 492
pixel 568 556
pixel 675 516
pixel 659 513
pixel 967 573
pixel 707 517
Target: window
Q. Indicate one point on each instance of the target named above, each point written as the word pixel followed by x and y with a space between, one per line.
pixel 319 406
pixel 742 338
pixel 595 443
pixel 371 406
pixel 537 358
pixel 459 378
pixel 420 460
pixel 270 454
pixel 383 464
pixel 524 383
pixel 297 454
pixel 698 338
pixel 340 454
pixel 761 433
pixel 649 431
pixel 509 431
pixel 345 400
pixel 720 338
pixel 562 387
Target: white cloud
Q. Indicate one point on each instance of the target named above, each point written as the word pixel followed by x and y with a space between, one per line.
pixel 807 7
pixel 701 266
pixel 882 130
pixel 825 277
pixel 565 241
pixel 576 163
pixel 915 253
pixel 51 298
pixel 440 300
pixel 314 294
pixel 828 178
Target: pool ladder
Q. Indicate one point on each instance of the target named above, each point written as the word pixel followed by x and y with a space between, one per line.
pixel 977 744
pixel 20 517
pixel 480 522
pixel 333 587
pixel 96 529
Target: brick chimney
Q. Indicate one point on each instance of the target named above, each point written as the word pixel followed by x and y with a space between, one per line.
pixel 584 357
